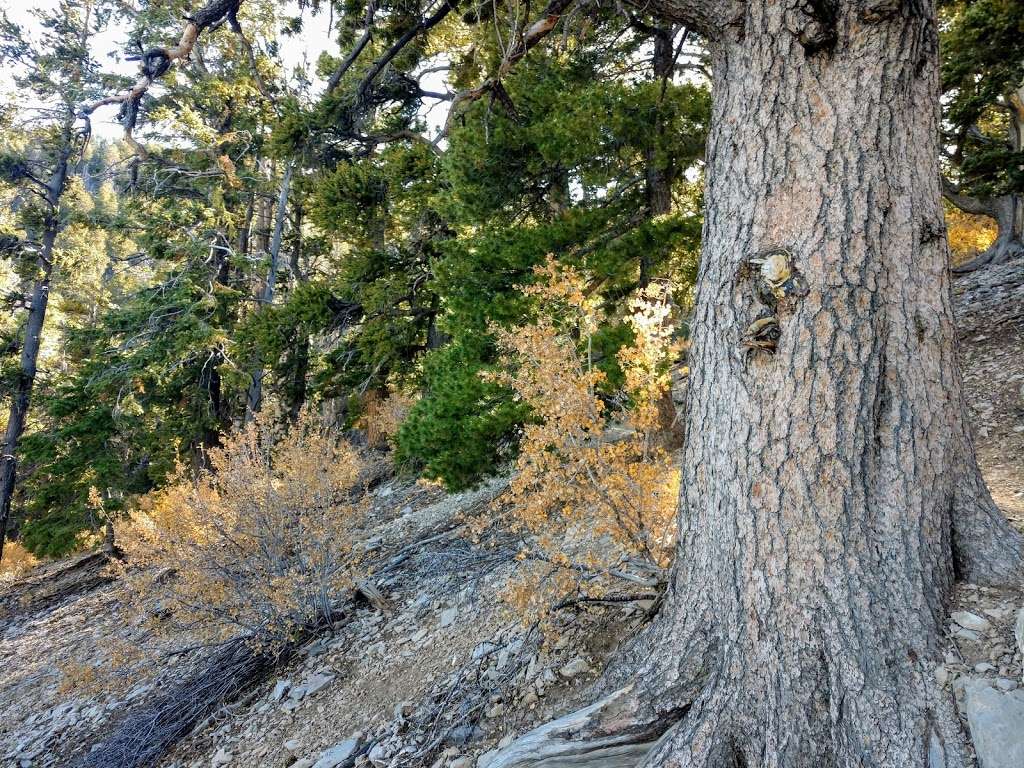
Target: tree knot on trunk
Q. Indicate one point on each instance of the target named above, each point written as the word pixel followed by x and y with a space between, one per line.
pixel 813 23
pixel 777 285
pixel 932 229
pixel 878 11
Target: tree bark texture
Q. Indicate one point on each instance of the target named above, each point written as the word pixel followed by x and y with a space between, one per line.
pixel 254 395
pixel 659 172
pixel 830 493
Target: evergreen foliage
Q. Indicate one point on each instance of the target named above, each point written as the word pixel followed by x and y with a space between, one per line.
pixel 982 67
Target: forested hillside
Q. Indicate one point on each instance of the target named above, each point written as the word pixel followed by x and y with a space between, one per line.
pixel 622 337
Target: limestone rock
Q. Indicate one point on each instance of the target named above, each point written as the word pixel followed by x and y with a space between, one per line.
pixel 574 668
pixel 462 734
pixel 280 689
pixel 971 621
pixel 337 754
pixel 483 649
pixel 967 634
pixel 316 682
pixel 997 722
pixel 379 755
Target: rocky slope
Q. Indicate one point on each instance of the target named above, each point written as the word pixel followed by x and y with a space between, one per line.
pixel 440 674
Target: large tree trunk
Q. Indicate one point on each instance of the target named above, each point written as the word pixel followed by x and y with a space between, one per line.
pixel 830 493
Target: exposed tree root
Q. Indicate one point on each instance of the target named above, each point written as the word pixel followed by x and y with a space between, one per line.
pixel 608 734
pixel 733 723
pixel 987 549
pixel 698 741
pixel 1000 252
pixel 727 694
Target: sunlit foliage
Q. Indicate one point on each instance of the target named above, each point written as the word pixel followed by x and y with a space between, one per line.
pixel 260 544
pixel 594 496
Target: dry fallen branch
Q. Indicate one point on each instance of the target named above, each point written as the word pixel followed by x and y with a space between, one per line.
pixel 145 735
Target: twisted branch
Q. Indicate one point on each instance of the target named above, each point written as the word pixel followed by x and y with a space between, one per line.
pixel 155 63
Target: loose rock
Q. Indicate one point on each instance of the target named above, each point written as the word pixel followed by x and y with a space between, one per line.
pixel 997 722
pixel 574 668
pixel 337 754
pixel 971 621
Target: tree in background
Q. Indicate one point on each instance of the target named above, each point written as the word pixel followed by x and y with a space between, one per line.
pixel 152 377
pixel 983 84
pixel 562 165
pixel 37 162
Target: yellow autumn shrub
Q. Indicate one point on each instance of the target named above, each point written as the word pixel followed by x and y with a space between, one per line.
pixel 383 415
pixel 259 544
pixel 969 235
pixel 594 483
pixel 17 561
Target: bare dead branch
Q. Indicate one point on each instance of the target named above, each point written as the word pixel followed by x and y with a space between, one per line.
pixel 155 63
pixel 534 34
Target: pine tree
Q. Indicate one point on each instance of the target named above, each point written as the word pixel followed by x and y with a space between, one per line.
pixel 58 73
pixel 983 81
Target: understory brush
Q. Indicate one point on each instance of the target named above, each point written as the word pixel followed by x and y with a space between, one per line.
pixel 257 545
pixel 17 562
pixel 595 483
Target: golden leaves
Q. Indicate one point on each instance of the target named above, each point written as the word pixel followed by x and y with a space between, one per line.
pixel 968 234
pixel 590 495
pixel 383 415
pixel 17 561
pixel 258 544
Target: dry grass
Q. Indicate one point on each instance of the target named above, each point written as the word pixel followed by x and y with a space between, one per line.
pixel 17 562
